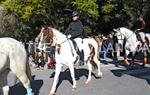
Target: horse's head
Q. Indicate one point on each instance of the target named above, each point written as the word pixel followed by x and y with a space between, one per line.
pixel 126 35
pixel 120 36
pixel 48 35
pixel 99 39
pixel 45 37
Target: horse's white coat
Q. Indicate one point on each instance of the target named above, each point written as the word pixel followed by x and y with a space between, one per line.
pixel 131 40
pixel 68 55
pixel 13 57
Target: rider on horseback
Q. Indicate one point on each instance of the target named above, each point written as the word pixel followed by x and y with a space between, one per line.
pixel 140 24
pixel 74 30
pixel 140 28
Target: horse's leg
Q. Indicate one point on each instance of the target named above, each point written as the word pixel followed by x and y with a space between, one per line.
pixel 90 71
pixel 22 72
pixel 4 84
pixel 145 61
pixel 98 67
pixel 133 58
pixel 71 67
pixel 126 62
pixel 22 76
pixel 57 73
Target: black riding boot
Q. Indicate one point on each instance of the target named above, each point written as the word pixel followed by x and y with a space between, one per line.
pixel 80 53
pixel 81 58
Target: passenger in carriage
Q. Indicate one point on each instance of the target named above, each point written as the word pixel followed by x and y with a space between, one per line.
pixel 75 30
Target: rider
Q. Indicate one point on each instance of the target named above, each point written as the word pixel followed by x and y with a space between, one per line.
pixel 75 30
pixel 141 27
pixel 141 24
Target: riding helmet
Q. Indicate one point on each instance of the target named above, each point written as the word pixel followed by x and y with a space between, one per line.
pixel 75 13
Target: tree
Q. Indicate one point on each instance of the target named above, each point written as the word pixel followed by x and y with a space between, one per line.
pixel 113 14
pixel 87 6
pixel 31 14
pixel 96 15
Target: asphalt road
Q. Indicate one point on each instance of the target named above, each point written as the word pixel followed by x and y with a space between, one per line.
pixel 115 81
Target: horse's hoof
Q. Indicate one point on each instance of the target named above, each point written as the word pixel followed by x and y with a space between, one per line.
pixel 145 61
pixel 126 62
pixel 143 65
pixel 87 82
pixel 51 94
pixel 73 88
pixel 27 94
pixel 100 74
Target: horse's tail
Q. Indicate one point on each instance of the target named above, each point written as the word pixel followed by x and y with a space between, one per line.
pixel 93 53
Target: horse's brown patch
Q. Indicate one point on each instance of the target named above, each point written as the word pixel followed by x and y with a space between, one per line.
pixel 58 48
pixel 99 39
pixel 48 33
pixel 92 53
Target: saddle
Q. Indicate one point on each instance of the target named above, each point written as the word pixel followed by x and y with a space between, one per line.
pixel 80 53
pixel 139 38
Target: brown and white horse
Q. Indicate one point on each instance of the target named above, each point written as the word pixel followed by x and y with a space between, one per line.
pixel 65 53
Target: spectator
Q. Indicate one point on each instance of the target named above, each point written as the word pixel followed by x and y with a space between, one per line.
pixel 40 60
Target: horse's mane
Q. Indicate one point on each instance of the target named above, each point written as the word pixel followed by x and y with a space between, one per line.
pixel 58 35
pixel 55 31
pixel 125 30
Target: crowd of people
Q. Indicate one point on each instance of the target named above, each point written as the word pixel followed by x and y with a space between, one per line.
pixel 39 58
pixel 74 31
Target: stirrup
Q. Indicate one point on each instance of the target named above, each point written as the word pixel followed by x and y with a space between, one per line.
pixel 81 63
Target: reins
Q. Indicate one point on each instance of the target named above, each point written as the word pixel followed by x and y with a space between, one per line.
pixel 125 36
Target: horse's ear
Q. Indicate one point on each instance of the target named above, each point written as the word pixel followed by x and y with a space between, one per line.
pixel 115 30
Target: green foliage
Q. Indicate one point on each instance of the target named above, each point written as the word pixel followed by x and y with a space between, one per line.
pixel 108 8
pixel 23 18
pixel 24 9
pixel 87 6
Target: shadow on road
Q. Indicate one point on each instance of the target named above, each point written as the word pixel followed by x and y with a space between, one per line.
pixel 18 89
pixel 67 76
pixel 135 73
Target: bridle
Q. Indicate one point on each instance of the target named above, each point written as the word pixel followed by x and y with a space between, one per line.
pixel 126 38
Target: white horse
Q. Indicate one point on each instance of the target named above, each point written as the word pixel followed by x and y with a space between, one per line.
pixel 65 53
pixel 13 57
pixel 128 40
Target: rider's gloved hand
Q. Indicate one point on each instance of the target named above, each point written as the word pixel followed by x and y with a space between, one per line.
pixel 69 36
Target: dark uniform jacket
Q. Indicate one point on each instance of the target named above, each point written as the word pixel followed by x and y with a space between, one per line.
pixel 75 29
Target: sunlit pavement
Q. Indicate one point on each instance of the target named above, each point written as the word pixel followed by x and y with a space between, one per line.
pixel 115 81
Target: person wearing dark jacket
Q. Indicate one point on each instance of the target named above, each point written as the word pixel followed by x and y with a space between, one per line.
pixel 140 24
pixel 40 60
pixel 140 27
pixel 75 30
pixel 115 47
